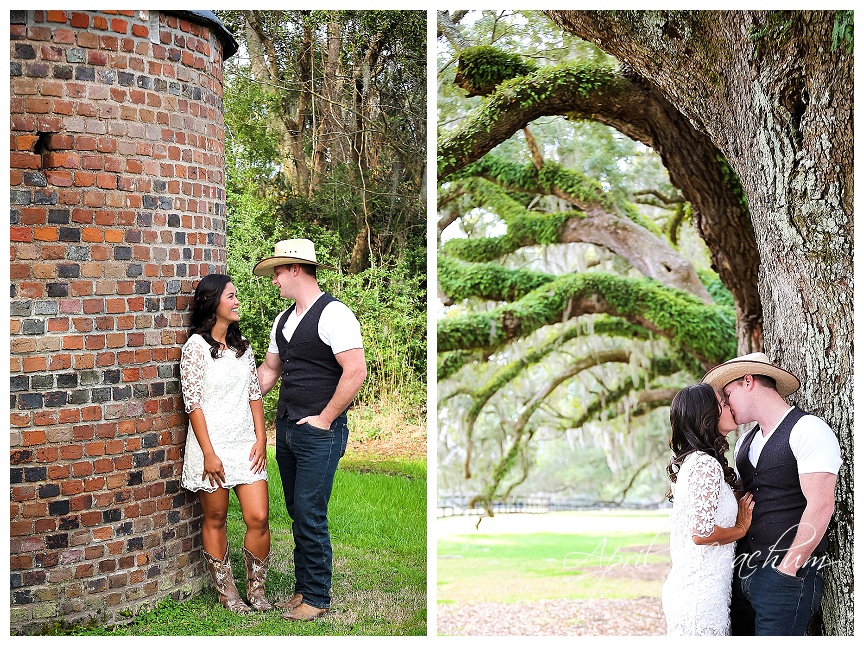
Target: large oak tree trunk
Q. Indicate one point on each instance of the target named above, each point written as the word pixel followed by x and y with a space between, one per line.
pixel 775 96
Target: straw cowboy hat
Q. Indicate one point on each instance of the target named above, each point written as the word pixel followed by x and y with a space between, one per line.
pixel 288 252
pixel 751 364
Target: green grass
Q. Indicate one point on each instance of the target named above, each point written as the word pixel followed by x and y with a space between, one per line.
pixel 598 561
pixel 378 528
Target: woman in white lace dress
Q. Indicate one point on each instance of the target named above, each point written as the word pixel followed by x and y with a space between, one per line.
pixel 226 444
pixel 706 518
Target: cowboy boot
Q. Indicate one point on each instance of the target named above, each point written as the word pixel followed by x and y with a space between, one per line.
pixel 256 573
pixel 305 612
pixel 295 600
pixel 223 579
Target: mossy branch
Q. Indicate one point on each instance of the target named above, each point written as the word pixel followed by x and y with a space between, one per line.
pixel 522 432
pixel 459 280
pixel 515 103
pixel 706 331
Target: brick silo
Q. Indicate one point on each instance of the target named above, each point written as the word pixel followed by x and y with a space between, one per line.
pixel 117 208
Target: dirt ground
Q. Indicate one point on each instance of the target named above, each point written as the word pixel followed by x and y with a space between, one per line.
pixel 559 617
pixel 409 443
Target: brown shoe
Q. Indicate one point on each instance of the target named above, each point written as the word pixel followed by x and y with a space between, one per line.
pixel 223 579
pixel 295 600
pixel 304 612
pixel 256 573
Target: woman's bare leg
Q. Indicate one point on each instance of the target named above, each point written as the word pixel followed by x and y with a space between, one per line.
pixel 256 509
pixel 214 534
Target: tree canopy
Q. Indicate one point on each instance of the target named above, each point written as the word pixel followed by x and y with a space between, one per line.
pixel 325 115
pixel 575 269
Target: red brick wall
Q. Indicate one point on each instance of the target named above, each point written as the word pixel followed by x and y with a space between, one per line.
pixel 117 208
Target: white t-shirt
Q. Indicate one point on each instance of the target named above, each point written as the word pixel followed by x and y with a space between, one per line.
pixel 337 327
pixel 813 444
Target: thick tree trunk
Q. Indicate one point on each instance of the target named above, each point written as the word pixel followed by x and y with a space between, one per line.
pixel 329 132
pixel 775 95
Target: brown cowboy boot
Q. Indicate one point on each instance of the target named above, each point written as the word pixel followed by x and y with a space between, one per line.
pixel 295 600
pixel 256 573
pixel 305 612
pixel 223 579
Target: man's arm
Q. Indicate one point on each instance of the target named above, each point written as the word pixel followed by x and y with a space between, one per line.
pixel 269 372
pixel 818 489
pixel 353 364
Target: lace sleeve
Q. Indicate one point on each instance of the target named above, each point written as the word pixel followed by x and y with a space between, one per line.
pixel 192 366
pixel 705 484
pixel 254 386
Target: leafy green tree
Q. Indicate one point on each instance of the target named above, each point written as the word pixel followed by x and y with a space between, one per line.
pixel 325 139
pixel 577 294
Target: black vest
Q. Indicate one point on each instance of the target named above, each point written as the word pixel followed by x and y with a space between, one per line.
pixel 310 372
pixel 776 488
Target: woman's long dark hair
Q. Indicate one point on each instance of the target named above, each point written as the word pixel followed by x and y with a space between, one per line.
pixel 208 293
pixel 694 416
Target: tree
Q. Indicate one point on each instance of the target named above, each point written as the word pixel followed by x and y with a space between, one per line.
pixel 344 97
pixel 545 204
pixel 325 139
pixel 772 93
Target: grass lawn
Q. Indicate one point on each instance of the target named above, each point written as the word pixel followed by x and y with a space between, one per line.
pixel 377 521
pixel 563 555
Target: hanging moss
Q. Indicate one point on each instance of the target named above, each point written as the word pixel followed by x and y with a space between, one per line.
pixel 524 227
pixel 584 191
pixel 482 68
pixel 707 331
pixel 658 367
pixel 603 326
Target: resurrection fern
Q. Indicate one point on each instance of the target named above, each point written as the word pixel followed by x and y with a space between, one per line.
pixel 489 281
pixel 482 68
pixel 544 91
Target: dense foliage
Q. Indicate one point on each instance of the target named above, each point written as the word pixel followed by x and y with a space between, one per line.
pixel 325 139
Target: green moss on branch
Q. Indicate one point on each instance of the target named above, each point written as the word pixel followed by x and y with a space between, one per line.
pixel 706 331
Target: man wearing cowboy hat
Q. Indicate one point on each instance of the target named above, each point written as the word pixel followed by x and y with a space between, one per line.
pixel 789 462
pixel 316 349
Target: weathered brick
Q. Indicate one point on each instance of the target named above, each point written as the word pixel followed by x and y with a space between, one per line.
pixel 98 284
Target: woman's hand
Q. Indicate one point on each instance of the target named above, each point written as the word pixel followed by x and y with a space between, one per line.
pixel 258 456
pixel 213 470
pixel 745 512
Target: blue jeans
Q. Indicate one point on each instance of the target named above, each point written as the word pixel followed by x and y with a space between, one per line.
pixel 307 457
pixel 768 602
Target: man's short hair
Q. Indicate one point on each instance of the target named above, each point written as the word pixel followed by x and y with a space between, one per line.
pixel 763 380
pixel 309 270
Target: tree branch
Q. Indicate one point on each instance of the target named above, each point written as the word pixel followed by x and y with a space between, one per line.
pixel 703 330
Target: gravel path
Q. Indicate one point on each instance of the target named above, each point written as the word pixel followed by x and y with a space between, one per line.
pixel 623 617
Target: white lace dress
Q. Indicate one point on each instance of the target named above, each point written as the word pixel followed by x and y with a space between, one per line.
pixel 698 590
pixel 222 388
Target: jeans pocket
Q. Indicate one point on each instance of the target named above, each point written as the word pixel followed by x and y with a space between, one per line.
pixel 789 578
pixel 317 428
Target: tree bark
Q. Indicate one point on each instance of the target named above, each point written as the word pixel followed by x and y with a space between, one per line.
pixel 774 94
